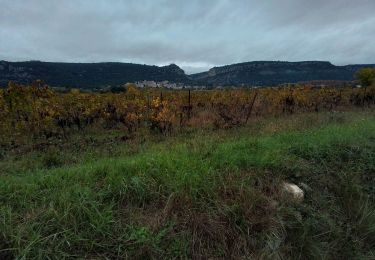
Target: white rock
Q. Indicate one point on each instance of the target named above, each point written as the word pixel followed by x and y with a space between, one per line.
pixel 295 191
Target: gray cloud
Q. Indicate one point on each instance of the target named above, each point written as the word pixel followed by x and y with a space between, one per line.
pixel 195 34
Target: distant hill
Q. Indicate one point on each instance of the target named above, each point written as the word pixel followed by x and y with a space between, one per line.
pixel 99 75
pixel 86 75
pixel 261 73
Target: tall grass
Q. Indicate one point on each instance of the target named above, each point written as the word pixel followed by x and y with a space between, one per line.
pixel 208 194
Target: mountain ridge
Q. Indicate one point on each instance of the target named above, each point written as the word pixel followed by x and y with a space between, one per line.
pixel 260 73
pixel 87 75
pixel 102 74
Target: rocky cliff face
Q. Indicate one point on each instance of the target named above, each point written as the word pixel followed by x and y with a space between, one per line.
pixel 261 73
pixel 174 69
pixel 17 73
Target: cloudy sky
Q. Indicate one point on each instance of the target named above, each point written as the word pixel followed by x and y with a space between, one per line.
pixel 194 34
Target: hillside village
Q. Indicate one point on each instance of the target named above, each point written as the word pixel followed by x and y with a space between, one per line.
pixel 165 84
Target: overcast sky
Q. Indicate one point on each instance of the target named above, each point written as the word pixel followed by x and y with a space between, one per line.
pixel 194 34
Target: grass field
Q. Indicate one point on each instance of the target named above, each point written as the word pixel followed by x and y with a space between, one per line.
pixel 196 194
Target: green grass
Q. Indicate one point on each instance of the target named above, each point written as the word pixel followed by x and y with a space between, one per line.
pixel 198 194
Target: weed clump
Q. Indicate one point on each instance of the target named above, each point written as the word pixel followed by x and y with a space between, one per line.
pixel 51 158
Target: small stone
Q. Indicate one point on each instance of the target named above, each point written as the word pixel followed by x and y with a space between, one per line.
pixel 295 191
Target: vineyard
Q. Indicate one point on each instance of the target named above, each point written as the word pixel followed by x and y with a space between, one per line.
pixel 37 111
pixel 167 174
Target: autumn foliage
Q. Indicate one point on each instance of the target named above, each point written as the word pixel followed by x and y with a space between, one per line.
pixel 40 112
